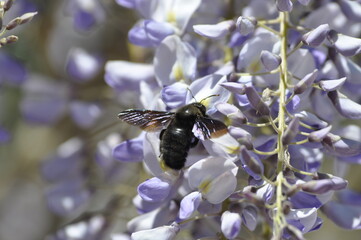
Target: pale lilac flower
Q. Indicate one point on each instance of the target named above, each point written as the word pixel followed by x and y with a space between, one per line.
pixel 161 233
pixel 189 204
pixel 214 177
pixel 86 13
pixel 174 60
pixel 12 71
pixel 215 31
pixel 81 65
pixel 246 25
pixel 231 224
pixel 270 60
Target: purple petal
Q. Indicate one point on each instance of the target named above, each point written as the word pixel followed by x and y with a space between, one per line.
pixel 126 3
pixel 351 9
pixel 174 95
pixel 311 119
pixel 345 106
pixel 341 147
pixel 215 31
pixel 163 233
pixel 245 25
pixel 304 2
pixel 68 197
pixel 189 205
pixel 230 224
pixel 316 36
pixel 250 217
pixel 256 101
pixel 154 190
pixel 66 162
pixel 348 46
pixel 305 159
pixel 232 112
pixel 145 206
pixel 350 197
pixel 138 36
pixel 319 135
pixel 343 215
pixel 291 131
pixel 85 114
pixel 157 31
pixel 305 200
pixel 123 75
pixel 251 163
pixel 130 150
pixel 242 136
pixel 81 65
pixel 284 5
pixel 294 104
pixel 332 85
pixel 45 101
pixel 270 60
pixel 324 185
pixel 305 82
pixel 12 71
pixel 174 60
pixel 234 87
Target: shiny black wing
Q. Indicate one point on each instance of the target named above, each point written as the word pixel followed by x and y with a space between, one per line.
pixel 148 120
pixel 209 128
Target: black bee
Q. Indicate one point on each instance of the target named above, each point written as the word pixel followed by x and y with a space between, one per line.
pixel 176 137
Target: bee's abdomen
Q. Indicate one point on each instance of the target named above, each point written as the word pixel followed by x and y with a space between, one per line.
pixel 174 147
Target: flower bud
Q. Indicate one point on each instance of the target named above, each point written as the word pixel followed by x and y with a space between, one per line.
pixel 215 31
pixel 319 135
pixel 316 36
pixel 324 185
pixel 7 40
pixel 270 60
pixel 332 85
pixel 154 190
pixel 234 87
pixel 345 106
pixel 305 82
pixel 284 5
pixel 161 233
pixel 242 136
pixel 8 4
pixel 246 25
pixel 251 162
pixel 256 101
pixel 232 112
pixel 291 131
pixel 20 20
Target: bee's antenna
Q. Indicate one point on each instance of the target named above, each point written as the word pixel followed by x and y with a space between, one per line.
pixel 192 94
pixel 213 95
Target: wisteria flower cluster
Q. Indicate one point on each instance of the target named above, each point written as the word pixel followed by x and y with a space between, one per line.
pixel 287 84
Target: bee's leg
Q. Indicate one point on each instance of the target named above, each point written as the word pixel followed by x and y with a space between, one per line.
pixel 194 142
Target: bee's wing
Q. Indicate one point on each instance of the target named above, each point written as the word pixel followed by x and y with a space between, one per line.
pixel 147 120
pixel 210 128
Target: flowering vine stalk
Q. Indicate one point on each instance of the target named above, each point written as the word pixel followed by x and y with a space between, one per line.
pixel 281 86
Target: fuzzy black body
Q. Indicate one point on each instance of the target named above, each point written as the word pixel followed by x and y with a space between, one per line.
pixel 178 138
